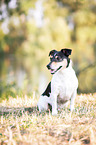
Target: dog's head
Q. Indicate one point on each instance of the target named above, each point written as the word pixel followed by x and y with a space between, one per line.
pixel 59 59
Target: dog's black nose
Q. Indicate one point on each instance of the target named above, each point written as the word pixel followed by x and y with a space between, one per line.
pixel 48 66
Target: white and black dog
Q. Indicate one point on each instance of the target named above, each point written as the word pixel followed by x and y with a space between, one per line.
pixel 64 83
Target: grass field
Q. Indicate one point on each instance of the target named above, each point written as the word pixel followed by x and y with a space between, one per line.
pixel 22 124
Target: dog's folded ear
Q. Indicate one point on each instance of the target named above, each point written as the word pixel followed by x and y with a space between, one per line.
pixel 66 51
pixel 52 52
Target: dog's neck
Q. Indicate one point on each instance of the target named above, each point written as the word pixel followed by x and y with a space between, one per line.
pixel 63 69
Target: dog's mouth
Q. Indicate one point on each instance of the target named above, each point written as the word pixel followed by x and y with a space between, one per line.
pixel 53 71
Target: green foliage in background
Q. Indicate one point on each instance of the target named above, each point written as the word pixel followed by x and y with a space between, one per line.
pixel 70 24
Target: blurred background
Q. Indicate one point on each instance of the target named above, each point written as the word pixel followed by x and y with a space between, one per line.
pixel 29 29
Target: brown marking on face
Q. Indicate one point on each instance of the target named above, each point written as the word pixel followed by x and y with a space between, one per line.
pixel 51 56
pixel 64 63
pixel 55 65
pixel 56 56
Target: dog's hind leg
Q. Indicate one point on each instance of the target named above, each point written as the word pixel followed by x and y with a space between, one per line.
pixel 72 100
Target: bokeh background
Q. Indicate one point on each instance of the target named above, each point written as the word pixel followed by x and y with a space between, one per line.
pixel 29 29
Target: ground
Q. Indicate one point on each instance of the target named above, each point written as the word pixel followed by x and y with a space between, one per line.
pixel 22 124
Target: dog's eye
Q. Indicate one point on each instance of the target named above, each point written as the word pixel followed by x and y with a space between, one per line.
pixel 57 57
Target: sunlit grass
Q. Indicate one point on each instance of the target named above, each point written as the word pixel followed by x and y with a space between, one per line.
pixel 21 123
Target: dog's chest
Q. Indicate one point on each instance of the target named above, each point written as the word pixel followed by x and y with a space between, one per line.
pixel 63 84
pixel 64 91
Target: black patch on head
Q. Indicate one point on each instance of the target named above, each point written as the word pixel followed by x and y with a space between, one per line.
pixel 48 90
pixel 56 56
pixel 66 51
pixel 52 52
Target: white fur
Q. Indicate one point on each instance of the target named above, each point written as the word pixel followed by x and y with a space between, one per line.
pixel 43 103
pixel 64 86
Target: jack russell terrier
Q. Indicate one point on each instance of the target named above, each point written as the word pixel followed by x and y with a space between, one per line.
pixel 64 83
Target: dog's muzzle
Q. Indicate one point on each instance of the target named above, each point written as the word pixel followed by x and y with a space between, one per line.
pixel 53 71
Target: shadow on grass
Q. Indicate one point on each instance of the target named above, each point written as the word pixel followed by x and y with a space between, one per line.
pixel 18 110
pixel 21 110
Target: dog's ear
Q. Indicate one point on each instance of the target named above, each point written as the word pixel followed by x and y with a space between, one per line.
pixel 52 52
pixel 66 51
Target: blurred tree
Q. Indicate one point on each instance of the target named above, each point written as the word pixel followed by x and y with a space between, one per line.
pixel 34 27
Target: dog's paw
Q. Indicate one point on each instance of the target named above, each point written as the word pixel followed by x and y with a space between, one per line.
pixel 54 113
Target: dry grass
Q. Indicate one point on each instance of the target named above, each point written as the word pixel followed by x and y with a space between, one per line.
pixel 22 124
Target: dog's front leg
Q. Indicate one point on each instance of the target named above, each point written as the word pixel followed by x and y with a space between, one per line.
pixel 54 104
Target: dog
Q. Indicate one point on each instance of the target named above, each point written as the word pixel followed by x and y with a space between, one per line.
pixel 64 83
